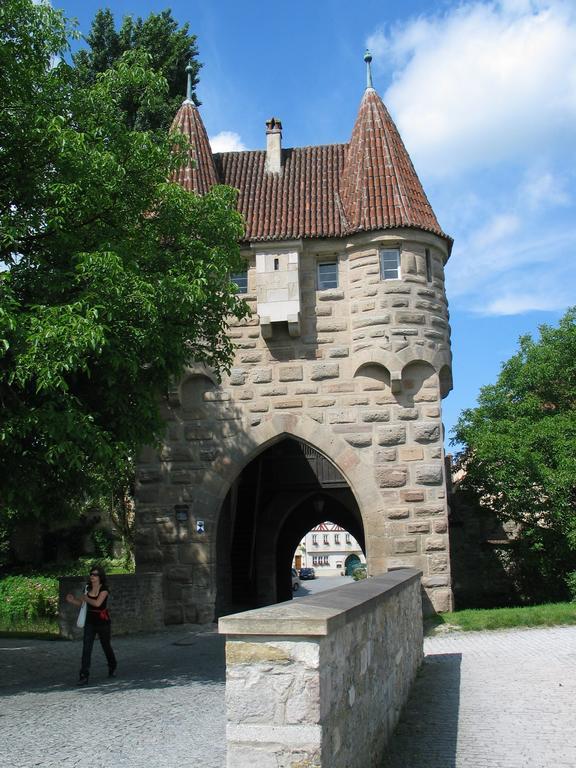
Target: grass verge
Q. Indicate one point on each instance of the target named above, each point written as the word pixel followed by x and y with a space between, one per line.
pixel 38 629
pixel 475 620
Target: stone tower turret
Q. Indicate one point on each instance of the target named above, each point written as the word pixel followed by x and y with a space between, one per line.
pixel 332 409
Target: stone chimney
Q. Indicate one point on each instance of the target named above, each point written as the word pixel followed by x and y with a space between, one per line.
pixel 273 145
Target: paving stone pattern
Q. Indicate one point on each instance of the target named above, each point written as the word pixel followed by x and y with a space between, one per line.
pixel 482 700
pixel 164 710
pixel 492 700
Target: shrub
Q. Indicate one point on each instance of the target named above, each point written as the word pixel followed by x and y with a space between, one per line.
pixel 28 597
pixel 359 573
pixel 571 582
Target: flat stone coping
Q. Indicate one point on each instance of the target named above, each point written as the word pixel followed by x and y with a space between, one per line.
pixel 318 614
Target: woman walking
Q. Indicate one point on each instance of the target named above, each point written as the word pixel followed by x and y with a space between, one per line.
pixel 97 622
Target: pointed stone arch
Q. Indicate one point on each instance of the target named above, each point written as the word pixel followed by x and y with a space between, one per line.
pixel 359 476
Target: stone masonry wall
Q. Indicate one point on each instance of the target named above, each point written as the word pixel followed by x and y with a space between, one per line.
pixel 367 372
pixel 322 683
pixel 135 603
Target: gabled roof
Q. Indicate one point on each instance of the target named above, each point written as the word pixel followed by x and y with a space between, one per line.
pixel 324 191
pixel 301 201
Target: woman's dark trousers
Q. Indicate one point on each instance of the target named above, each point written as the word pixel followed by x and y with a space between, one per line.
pixel 103 631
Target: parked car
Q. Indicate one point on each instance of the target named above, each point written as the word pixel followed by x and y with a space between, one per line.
pixel 295 580
pixel 307 573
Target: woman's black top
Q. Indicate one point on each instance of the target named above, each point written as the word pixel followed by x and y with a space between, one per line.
pixel 98 615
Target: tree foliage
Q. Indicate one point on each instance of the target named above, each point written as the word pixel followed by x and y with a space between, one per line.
pixel 519 451
pixel 169 47
pixel 113 279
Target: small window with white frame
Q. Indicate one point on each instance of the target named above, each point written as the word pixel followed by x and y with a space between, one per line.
pixel 240 279
pixel 327 275
pixel 390 264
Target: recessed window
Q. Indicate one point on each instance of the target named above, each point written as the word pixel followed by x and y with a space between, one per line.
pixel 336 538
pixel 276 265
pixel 327 275
pixel 390 264
pixel 326 542
pixel 240 279
pixel 428 266
pixel 315 539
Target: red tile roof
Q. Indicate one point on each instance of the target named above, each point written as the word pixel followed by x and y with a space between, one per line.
pixel 324 191
pixel 302 201
pixel 379 187
pixel 199 174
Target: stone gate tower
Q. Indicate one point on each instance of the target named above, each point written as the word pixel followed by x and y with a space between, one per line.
pixel 332 410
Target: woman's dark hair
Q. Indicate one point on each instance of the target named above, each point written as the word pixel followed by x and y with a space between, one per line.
pixel 102 574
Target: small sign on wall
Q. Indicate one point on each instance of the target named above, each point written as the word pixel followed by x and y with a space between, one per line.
pixel 181 512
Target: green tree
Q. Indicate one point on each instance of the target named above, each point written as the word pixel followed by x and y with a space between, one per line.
pixel 519 455
pixel 169 47
pixel 113 279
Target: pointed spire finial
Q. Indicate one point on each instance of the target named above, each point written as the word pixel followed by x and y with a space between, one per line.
pixel 368 60
pixel 189 70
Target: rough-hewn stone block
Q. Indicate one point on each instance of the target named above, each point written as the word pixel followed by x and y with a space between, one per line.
pixel 292 402
pixel 412 496
pixel 364 322
pixel 262 375
pixel 417 318
pixel 421 527
pixel 342 417
pixel 375 415
pixel 392 435
pixel 339 352
pixel 322 371
pixel 397 513
pixel 429 510
pixel 426 432
pixel 290 373
pixel 390 478
pixel 435 543
pixel 382 455
pixel 429 474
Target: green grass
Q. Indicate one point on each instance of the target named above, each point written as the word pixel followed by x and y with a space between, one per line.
pixel 474 620
pixel 39 629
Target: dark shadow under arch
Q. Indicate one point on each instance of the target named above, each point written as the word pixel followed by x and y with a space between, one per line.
pixel 266 513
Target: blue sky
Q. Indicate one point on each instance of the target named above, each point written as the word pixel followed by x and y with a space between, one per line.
pixel 484 95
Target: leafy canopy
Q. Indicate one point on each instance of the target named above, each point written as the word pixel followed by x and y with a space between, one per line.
pixel 112 278
pixel 169 47
pixel 520 448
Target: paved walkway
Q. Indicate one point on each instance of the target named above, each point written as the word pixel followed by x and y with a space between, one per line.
pixel 482 700
pixel 492 700
pixel 164 710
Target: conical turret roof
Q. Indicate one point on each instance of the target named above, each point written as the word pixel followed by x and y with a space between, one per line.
pixel 198 174
pixel 379 187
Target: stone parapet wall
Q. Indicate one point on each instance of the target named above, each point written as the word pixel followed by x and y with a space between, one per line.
pixel 135 603
pixel 320 682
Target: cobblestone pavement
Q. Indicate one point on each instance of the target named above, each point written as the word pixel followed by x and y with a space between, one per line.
pixel 164 710
pixel 492 700
pixel 481 700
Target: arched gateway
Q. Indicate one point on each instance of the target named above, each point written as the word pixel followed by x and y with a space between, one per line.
pixel 333 403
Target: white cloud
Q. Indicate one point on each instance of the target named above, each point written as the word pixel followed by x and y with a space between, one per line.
pixel 484 95
pixel 484 82
pixel 227 141
pixel 544 189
